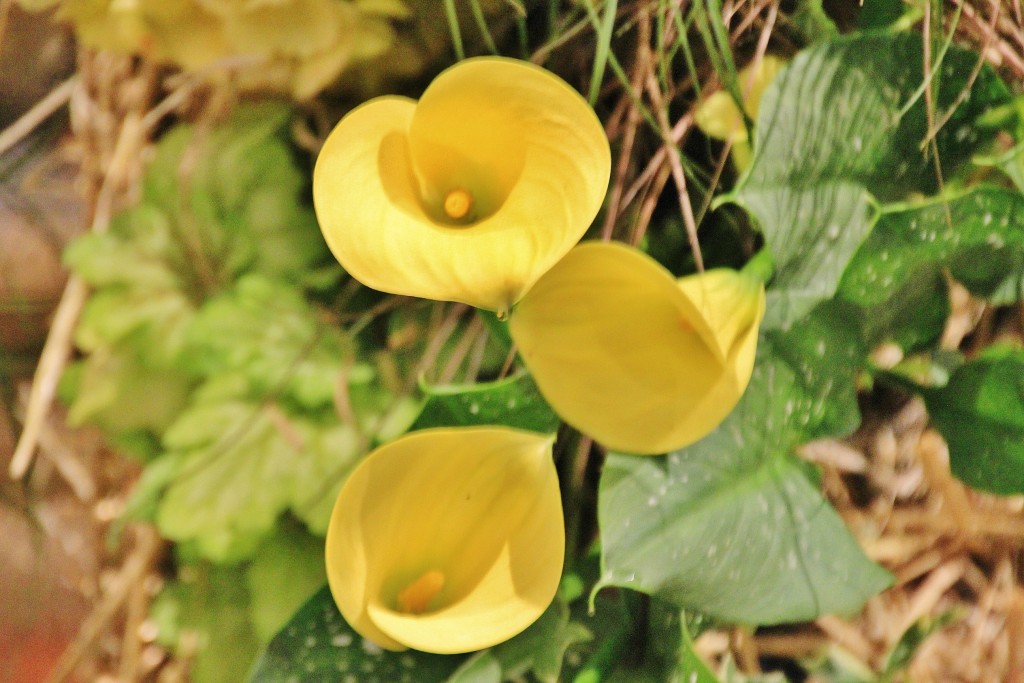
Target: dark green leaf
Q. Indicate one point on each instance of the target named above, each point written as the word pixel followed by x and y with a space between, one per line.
pixel 904 650
pixel 512 402
pixel 731 526
pixel 978 236
pixel 317 645
pixel 880 13
pixel 914 316
pixel 842 123
pixel 980 412
pixel 826 353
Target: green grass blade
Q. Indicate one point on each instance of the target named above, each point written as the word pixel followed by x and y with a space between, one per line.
pixel 453 27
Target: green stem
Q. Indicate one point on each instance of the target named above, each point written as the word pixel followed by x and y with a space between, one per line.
pixel 761 266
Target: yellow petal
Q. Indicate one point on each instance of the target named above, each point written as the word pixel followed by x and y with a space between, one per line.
pixel 448 540
pixel 759 79
pixel 185 33
pixel 521 143
pixel 629 356
pixel 720 118
pixel 297 28
pixel 732 304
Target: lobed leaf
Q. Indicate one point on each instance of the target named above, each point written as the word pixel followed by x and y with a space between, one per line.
pixel 244 462
pixel 205 612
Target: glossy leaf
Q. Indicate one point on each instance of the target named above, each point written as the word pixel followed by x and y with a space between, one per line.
pixel 731 526
pixel 820 158
pixel 978 237
pixel 826 353
pixel 980 412
pixel 318 645
pixel 510 402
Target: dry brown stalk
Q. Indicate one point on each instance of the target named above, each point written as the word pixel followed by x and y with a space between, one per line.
pixel 675 164
pixel 119 175
pixel 641 68
pixel 139 561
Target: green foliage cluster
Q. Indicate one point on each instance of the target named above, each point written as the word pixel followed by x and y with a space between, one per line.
pixel 208 356
pixel 207 320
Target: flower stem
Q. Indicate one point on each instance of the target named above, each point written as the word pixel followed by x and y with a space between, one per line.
pixel 761 266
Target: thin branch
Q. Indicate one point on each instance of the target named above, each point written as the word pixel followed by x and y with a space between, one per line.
pixel 676 166
pixel 42 110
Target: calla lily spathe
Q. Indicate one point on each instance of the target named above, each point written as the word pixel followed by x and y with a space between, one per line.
pixel 468 195
pixel 720 118
pixel 448 540
pixel 629 355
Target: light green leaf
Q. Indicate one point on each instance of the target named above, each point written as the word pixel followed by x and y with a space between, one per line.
pixel 267 331
pixel 243 463
pixel 813 21
pixel 205 611
pixel 333 452
pixel 234 195
pixel 692 668
pixel 512 402
pixel 130 253
pixel 731 526
pixel 482 667
pixel 980 412
pixel 284 573
pixel 152 321
pixel 317 645
pixel 1012 164
pixel 115 390
pixel 841 125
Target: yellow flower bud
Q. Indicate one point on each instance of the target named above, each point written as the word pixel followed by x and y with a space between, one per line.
pixel 469 194
pixel 720 118
pixel 448 540
pixel 627 354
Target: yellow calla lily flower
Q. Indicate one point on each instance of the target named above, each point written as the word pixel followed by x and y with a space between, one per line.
pixel 631 356
pixel 448 540
pixel 468 195
pixel 720 118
